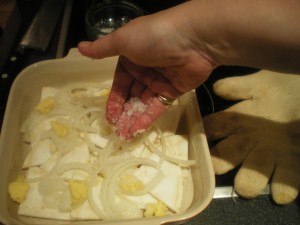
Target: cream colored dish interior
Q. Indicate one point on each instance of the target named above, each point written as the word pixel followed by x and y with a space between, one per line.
pixel 75 68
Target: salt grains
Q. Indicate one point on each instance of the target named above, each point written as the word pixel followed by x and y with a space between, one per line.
pixel 135 105
pixel 133 109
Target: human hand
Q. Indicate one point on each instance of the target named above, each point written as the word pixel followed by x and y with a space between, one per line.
pixel 175 50
pixel 261 132
pixel 157 57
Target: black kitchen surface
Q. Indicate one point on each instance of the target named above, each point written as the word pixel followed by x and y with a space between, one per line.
pixel 228 210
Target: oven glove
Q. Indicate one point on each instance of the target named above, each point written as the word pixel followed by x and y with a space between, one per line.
pixel 261 133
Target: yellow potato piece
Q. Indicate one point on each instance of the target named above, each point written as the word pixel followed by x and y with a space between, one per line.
pixel 18 189
pixel 79 191
pixel 104 92
pixel 61 130
pixel 156 209
pixel 130 184
pixel 46 105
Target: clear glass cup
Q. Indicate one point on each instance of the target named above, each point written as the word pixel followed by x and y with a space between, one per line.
pixel 103 18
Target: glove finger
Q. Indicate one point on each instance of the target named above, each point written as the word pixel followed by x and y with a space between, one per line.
pixel 286 180
pixel 218 125
pixel 235 88
pixel 254 174
pixel 230 152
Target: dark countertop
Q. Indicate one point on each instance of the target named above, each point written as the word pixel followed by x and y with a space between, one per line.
pixel 225 211
pixel 259 211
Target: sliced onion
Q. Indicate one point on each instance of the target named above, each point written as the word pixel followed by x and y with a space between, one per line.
pixel 108 191
pixel 77 123
pixel 184 163
pixel 64 144
pixel 132 144
pixel 92 146
pixel 47 173
pixel 52 200
pixel 148 186
pixel 130 201
pixel 37 179
pixel 92 202
pixel 73 166
pixel 65 204
pixel 108 151
pixel 51 184
pixel 84 118
pixel 104 151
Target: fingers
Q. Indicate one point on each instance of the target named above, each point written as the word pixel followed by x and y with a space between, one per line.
pixel 104 47
pixel 147 118
pixel 286 179
pixel 119 93
pixel 132 111
pixel 138 116
pixel 151 78
pixel 219 125
pixel 133 106
pixel 234 88
pixel 230 152
pixel 255 173
pixel 137 89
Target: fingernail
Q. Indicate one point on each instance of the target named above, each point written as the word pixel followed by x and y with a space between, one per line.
pixel 84 44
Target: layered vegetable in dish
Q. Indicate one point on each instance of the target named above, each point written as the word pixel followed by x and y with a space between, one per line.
pixel 77 168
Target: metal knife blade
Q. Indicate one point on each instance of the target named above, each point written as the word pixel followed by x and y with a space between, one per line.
pixel 39 33
pixel 37 36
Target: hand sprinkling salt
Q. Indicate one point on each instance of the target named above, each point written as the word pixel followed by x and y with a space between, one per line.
pixel 133 109
pixel 133 105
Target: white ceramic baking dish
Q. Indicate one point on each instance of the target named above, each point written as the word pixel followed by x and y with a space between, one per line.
pixel 25 94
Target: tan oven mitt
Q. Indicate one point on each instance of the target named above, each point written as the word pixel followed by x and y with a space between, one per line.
pixel 261 132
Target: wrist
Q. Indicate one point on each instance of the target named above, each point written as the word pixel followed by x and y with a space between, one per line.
pixel 246 33
pixel 197 23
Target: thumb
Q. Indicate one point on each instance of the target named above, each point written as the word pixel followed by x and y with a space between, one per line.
pixel 103 47
pixel 235 88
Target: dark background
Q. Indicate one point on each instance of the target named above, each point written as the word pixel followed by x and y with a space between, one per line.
pixel 262 210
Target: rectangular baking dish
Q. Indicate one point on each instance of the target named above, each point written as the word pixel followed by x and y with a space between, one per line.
pixel 25 94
